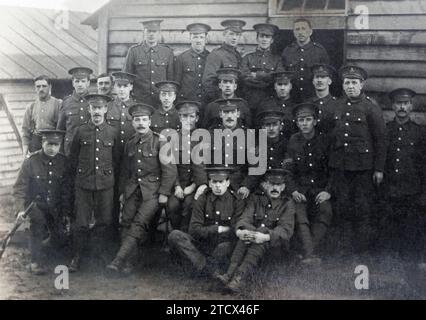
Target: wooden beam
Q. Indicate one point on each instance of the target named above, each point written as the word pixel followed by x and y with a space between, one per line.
pixel 318 22
pixel 413 69
pixel 391 22
pixel 382 84
pixel 386 53
pixel 410 38
pixel 103 41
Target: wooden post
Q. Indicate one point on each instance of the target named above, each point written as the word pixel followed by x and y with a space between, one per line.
pixel 103 40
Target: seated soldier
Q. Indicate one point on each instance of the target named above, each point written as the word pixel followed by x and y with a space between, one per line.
pixel 211 239
pixel 282 101
pixel 267 222
pixel 191 176
pixel 45 178
pixel 228 83
pixel 165 115
pixel 308 152
pixel 146 180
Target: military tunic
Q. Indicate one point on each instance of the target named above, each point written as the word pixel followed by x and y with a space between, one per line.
pixel 223 57
pixel 189 70
pixel 118 117
pixel 257 88
pixel 275 217
pixel 145 174
pixel 300 60
pixel 327 107
pixel 150 65
pixel 209 212
pixel 162 120
pixel 47 181
pixel 73 113
pixel 39 115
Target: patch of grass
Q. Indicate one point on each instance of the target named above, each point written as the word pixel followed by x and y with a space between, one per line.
pixel 7 209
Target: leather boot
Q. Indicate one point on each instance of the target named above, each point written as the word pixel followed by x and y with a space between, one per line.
pixel 80 240
pixel 225 278
pixel 236 284
pixel 123 256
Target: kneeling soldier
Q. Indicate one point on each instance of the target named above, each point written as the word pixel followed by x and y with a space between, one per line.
pixel 211 238
pixel 146 181
pixel 267 222
pixel 308 152
pixel 95 155
pixel 44 178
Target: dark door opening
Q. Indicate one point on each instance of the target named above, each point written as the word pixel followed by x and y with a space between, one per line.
pixel 333 42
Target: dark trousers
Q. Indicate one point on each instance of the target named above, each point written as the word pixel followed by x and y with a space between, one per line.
pixel 44 223
pixel 312 222
pixel 138 214
pixel 180 211
pixel 353 191
pixel 247 256
pixel 201 255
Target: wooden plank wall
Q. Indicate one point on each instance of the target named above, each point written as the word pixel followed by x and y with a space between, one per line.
pixel 125 30
pixel 392 49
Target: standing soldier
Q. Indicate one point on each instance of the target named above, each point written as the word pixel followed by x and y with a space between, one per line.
pixel 308 152
pixel 257 67
pixel 267 222
pixel 43 113
pixel 322 79
pixel 357 159
pixel 301 55
pixel 211 237
pixel 165 115
pixel 44 178
pixel 282 101
pixel 94 159
pixel 405 177
pixel 146 180
pixel 74 111
pixel 224 56
pixel 228 84
pixel 189 66
pixel 191 176
pixel 105 84
pixel 150 61
pixel 118 110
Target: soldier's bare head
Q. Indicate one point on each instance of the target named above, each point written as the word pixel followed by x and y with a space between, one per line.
pixel 283 88
pixel 141 124
pixel 353 86
pixel 123 90
pixel 43 87
pixel 104 83
pixel 231 38
pixel 302 31
pixel 228 87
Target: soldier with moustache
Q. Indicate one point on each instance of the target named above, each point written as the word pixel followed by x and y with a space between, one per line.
pixel 105 85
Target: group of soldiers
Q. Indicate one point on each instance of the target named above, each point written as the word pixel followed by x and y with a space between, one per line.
pixel 98 160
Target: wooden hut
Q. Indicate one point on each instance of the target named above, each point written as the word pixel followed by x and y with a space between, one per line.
pixel 35 42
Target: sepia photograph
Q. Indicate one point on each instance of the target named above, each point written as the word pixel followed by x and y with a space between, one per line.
pixel 191 151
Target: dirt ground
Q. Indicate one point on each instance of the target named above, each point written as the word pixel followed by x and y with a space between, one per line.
pixel 159 277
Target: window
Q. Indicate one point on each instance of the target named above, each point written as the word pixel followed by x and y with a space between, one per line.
pixel 307 7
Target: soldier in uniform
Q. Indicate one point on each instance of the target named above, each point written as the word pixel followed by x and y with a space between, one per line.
pixel 165 115
pixel 150 61
pixel 189 65
pixel 282 101
pixel 224 56
pixel 74 111
pixel 105 84
pixel 43 113
pixel 146 180
pixel 301 55
pixel 228 84
pixel 357 159
pixel 322 79
pixel 241 181
pixel 308 152
pixel 44 178
pixel 257 67
pixel 211 238
pixel 405 177
pixel 191 176
pixel 267 222
pixel 94 158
